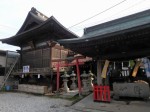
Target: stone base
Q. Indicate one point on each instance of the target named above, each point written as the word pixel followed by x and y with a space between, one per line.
pixel 85 92
pixel 69 94
pixel 73 87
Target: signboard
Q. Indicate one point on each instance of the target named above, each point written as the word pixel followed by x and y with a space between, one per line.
pixel 26 69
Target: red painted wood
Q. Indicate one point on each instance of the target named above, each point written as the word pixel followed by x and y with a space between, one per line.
pixel 100 90
pixel 71 64
pixel 58 75
pixel 104 93
pixel 101 93
pixel 108 93
pixel 78 75
pixel 73 58
pixel 68 64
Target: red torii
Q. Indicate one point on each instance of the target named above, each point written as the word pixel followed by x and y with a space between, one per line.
pixel 77 63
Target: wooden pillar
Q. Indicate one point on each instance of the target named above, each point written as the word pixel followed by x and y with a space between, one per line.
pixel 78 75
pixel 58 75
pixel 58 72
pixel 99 71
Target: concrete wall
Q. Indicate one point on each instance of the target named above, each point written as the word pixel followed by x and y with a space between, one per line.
pixel 3 61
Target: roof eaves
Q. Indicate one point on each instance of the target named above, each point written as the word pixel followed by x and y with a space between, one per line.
pixel 64 27
pixel 37 27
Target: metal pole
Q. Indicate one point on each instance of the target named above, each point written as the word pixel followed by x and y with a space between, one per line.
pixel 78 74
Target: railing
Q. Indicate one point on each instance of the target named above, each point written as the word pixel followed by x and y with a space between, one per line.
pixel 32 70
pixel 101 93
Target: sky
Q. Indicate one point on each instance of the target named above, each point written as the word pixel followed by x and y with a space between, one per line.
pixel 67 12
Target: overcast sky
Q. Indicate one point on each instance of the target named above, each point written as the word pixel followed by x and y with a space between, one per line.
pixel 67 12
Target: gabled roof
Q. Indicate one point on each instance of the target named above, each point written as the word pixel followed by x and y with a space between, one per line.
pixel 105 30
pixel 46 26
pixel 123 38
pixel 34 18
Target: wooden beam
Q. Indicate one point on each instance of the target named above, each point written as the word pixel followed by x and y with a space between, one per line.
pixel 51 43
pixel 69 58
pixel 125 55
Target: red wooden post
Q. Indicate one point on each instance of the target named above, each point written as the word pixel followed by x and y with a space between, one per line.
pixel 95 93
pixel 78 74
pixel 108 93
pixel 104 93
pixel 58 75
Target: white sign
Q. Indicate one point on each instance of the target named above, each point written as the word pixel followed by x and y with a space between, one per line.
pixel 22 76
pixel 38 76
pixel 26 69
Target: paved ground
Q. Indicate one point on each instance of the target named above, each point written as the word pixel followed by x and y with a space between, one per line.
pixel 21 102
pixel 87 105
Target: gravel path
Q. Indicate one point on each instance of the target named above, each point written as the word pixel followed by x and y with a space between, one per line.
pixel 21 102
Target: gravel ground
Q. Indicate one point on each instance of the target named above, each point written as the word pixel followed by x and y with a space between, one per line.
pixel 21 102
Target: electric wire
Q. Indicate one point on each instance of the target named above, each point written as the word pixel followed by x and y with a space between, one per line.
pixel 81 28
pixel 98 14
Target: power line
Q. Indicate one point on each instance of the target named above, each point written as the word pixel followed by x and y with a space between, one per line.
pixel 81 28
pixel 98 14
pixel 121 11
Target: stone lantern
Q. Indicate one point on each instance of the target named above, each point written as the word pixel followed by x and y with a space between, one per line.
pixel 65 80
pixel 90 79
pixel 85 89
pixel 73 78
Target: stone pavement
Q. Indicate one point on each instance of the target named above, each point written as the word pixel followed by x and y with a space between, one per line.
pixel 87 105
pixel 22 102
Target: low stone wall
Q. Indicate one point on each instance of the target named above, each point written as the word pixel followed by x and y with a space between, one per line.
pixel 32 88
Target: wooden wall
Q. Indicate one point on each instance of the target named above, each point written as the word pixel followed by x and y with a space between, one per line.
pixel 41 55
pixel 39 58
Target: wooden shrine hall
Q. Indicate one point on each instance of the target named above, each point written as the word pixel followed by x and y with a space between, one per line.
pixel 117 40
pixel 37 39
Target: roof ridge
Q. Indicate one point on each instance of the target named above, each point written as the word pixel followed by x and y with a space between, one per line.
pixel 119 20
pixel 35 15
pixel 35 11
